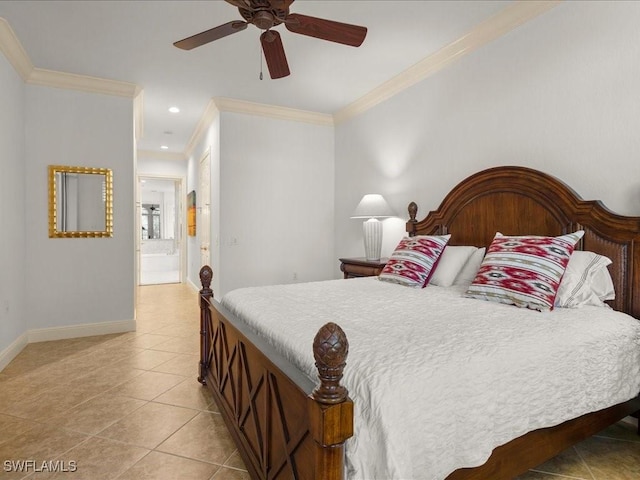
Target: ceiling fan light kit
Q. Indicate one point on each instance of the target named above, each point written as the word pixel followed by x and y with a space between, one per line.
pixel 266 14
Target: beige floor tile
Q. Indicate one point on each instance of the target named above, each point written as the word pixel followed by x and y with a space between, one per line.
pixel 96 459
pixel 148 340
pixel 230 474
pixel 108 377
pixel 147 359
pixel 16 390
pixel 235 461
pixel 533 475
pixel 181 364
pixel 189 394
pixel 108 356
pixel 149 425
pixel 148 385
pixel 162 466
pixel 188 331
pixel 51 402
pixel 186 345
pixel 149 326
pixel 96 414
pixel 610 459
pixel 43 442
pixel 204 438
pixel 11 427
pixel 567 463
pixel 621 431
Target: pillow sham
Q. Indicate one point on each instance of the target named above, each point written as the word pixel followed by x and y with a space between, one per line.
pixel 451 262
pixel 413 261
pixel 470 269
pixel 524 271
pixel 586 281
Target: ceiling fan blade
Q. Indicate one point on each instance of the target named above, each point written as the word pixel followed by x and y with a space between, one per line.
pixel 326 29
pixel 211 35
pixel 274 54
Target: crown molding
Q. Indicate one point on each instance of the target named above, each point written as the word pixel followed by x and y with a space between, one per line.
pixel 177 156
pixel 13 50
pixel 83 83
pixel 273 111
pixel 498 25
pixel 203 125
pixel 16 55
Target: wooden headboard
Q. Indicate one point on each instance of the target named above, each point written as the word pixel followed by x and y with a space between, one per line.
pixel 523 201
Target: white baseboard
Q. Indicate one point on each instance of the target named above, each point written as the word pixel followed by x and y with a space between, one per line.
pixel 82 330
pixel 62 333
pixel 193 285
pixel 13 350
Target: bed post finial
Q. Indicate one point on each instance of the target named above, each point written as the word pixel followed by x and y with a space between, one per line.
pixel 330 349
pixel 206 294
pixel 206 274
pixel 330 408
pixel 411 224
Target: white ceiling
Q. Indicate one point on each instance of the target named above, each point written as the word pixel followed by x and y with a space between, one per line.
pixel 132 41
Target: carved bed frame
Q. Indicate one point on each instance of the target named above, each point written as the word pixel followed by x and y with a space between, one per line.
pixel 286 427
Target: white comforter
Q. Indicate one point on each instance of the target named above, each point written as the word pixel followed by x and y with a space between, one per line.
pixel 439 380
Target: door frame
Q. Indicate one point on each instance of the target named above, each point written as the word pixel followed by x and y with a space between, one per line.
pixel 181 214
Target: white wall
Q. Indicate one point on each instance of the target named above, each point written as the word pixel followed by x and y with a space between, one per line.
pixel 276 201
pixel 12 207
pixel 161 167
pixel 272 202
pixel 83 280
pixel 560 94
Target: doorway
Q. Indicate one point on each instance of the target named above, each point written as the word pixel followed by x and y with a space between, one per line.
pixel 160 233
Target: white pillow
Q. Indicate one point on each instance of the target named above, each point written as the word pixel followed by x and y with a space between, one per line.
pixel 450 264
pixel 586 281
pixel 469 271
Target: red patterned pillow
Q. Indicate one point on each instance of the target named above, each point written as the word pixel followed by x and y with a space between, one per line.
pixel 524 271
pixel 414 260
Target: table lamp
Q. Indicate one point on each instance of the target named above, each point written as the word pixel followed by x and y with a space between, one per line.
pixel 372 207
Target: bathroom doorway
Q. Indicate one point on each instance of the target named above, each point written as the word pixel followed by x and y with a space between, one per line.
pixel 160 235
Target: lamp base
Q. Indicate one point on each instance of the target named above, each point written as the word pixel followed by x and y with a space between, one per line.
pixel 372 230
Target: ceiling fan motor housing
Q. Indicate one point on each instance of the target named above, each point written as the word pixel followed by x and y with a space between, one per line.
pixel 264 20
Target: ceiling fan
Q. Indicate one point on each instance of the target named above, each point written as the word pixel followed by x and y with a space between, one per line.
pixel 266 14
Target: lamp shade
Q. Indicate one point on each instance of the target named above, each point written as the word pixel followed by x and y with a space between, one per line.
pixel 373 205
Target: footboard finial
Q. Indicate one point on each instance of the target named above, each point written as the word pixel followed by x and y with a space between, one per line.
pixel 206 274
pixel 330 349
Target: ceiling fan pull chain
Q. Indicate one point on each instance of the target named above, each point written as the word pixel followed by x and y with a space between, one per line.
pixel 261 53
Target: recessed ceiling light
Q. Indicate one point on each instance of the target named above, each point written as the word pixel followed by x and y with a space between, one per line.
pixel 164 147
pixel 174 109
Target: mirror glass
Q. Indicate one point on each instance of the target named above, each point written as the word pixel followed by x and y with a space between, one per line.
pixel 80 202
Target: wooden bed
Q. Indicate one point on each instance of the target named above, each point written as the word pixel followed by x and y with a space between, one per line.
pixel 287 427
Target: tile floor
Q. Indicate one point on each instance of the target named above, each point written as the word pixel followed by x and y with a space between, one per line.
pixel 128 407
pixel 123 406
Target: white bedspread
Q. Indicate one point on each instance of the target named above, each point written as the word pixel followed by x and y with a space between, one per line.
pixel 438 380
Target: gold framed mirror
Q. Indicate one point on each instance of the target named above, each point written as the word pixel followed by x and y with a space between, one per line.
pixel 80 202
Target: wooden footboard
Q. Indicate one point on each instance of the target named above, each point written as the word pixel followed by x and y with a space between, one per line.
pixel 283 424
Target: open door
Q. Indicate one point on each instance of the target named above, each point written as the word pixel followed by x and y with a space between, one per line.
pixel 204 224
pixel 161 238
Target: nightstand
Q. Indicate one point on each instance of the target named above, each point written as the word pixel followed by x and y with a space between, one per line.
pixel 361 267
